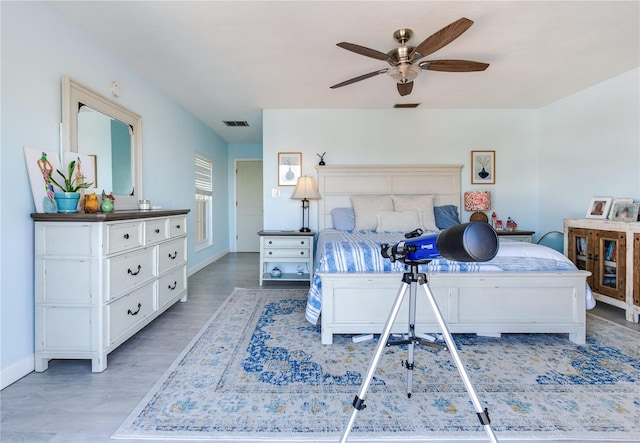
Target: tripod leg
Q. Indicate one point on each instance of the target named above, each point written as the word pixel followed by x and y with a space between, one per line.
pixel 483 414
pixel 412 334
pixel 358 401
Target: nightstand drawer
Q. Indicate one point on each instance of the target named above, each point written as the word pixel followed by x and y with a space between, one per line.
pixel 286 242
pixel 286 253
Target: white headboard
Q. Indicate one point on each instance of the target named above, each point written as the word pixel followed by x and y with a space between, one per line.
pixel 337 184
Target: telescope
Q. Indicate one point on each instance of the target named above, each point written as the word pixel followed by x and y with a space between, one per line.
pixel 466 242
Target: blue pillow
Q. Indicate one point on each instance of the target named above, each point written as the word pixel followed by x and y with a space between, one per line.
pixel 344 219
pixel 446 216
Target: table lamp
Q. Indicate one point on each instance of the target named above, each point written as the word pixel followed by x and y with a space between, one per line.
pixel 477 201
pixel 305 190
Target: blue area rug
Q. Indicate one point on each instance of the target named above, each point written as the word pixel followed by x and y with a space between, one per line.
pixel 257 371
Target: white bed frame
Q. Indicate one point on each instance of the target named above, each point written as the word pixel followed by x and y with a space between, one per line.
pixel 483 303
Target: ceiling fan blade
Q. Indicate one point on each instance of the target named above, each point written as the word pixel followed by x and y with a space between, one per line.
pixel 441 38
pixel 454 65
pixel 364 51
pixel 405 88
pixel 359 78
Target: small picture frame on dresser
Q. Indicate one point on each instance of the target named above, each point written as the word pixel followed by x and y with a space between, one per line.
pixel 599 207
pixel 624 211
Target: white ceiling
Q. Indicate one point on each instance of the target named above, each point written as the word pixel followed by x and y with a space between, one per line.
pixel 229 60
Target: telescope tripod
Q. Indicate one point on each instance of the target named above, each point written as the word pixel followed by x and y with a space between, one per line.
pixel 411 281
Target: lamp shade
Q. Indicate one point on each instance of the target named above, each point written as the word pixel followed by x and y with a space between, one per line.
pixel 306 189
pixel 477 201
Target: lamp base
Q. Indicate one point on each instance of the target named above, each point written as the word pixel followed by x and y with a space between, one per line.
pixel 479 216
pixel 305 230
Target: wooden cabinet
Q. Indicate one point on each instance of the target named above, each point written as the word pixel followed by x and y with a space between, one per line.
pixel 100 278
pixel 283 249
pixel 610 250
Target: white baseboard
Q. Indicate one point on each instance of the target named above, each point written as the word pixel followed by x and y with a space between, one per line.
pixel 16 371
pixel 206 263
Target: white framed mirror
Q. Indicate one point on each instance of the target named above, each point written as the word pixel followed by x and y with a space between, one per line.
pixel 92 124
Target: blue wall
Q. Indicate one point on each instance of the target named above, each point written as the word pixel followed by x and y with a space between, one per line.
pixel 38 48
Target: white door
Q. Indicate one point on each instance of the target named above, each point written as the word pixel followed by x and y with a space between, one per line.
pixel 248 204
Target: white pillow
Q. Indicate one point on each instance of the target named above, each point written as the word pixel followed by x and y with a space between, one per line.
pixel 402 221
pixel 423 203
pixel 367 207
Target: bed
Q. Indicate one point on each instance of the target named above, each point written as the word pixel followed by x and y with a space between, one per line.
pixel 491 301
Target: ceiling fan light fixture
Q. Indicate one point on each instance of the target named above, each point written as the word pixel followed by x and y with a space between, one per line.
pixel 404 72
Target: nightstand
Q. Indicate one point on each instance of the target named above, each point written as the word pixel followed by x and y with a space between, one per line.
pixel 523 236
pixel 280 248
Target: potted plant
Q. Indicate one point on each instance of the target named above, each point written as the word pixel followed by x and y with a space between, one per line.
pixel 67 200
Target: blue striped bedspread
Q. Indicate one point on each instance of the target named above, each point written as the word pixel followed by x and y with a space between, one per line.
pixel 360 251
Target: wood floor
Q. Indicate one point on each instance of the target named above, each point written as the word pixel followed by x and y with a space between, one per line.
pixel 68 403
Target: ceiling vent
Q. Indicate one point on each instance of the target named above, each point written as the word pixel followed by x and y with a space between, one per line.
pixel 406 105
pixel 235 122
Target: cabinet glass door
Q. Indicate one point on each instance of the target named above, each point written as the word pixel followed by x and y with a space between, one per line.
pixel 636 269
pixel 609 263
pixel 580 250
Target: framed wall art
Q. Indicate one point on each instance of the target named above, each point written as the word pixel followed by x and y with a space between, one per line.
pixel 483 167
pixel 289 168
pixel 624 211
pixel 599 207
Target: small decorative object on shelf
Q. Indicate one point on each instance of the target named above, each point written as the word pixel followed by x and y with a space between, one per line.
pixel 144 205
pixel 276 272
pixel 499 226
pixel 91 204
pixel 511 224
pixel 107 205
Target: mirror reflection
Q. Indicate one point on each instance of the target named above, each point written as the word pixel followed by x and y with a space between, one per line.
pixel 108 141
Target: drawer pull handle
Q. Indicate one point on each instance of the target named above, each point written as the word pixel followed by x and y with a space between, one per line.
pixel 302 242
pixel 175 283
pixel 270 242
pixel 134 272
pixel 157 231
pixel 177 226
pixel 173 257
pixel 301 252
pixel 135 313
pixel 270 252
pixel 126 236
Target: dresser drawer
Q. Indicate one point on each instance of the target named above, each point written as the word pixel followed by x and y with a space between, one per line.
pixel 286 242
pixel 172 254
pixel 155 231
pixel 177 226
pixel 123 236
pixel 171 285
pixel 129 310
pixel 127 271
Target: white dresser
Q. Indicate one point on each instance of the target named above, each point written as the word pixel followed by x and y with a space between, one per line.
pixel 100 278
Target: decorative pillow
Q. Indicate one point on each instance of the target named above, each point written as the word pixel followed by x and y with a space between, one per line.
pixel 344 219
pixel 446 216
pixel 366 208
pixel 399 221
pixel 423 203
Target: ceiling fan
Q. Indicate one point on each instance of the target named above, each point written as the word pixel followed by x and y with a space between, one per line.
pixel 404 59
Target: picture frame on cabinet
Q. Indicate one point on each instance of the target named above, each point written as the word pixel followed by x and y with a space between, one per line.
pixel 618 201
pixel 599 207
pixel 624 211
pixel 483 167
pixel 289 168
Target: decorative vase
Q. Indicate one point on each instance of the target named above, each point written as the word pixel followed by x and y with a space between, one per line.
pixel 106 205
pixel 91 204
pixel 276 272
pixel 67 201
